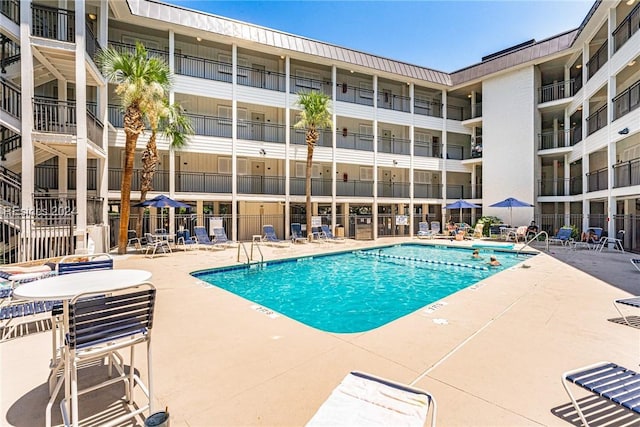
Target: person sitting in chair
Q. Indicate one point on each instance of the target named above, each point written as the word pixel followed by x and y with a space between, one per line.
pixel 452 228
pixel 532 229
pixel 589 236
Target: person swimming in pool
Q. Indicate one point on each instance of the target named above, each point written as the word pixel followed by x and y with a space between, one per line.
pixel 476 254
pixel 493 261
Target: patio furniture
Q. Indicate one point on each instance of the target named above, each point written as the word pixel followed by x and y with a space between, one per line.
pixel 154 243
pixel 629 302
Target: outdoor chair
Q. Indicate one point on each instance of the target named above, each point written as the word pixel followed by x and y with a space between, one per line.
pixel 607 380
pixel 296 233
pixel 636 263
pixel 186 241
pixel 99 327
pixel 328 235
pixel 629 302
pixel 435 227
pixel 203 239
pixel 424 232
pixel 269 236
pixel 78 263
pixel 617 241
pixel 563 236
pixel 592 239
pixel 154 243
pixel 133 239
pixel 477 231
pixel 364 400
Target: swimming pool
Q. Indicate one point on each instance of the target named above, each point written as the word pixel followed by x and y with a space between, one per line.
pixel 360 290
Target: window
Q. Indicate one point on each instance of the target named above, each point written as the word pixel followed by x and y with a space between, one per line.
pixel 366 90
pixel 242 166
pixel 422 101
pixel 422 177
pixel 301 170
pixel 366 173
pixel 422 137
pixel 224 165
pixel 225 112
pixel 366 131
pixel 225 66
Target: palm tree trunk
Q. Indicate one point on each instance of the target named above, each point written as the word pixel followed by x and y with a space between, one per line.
pixel 311 138
pixel 133 125
pixel 149 165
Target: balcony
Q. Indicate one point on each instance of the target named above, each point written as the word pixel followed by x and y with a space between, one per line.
pixel 394 145
pixel 355 141
pixel 203 182
pixel 160 180
pixel 131 49
pixel 354 95
pixel 561 138
pixel 354 188
pixel 456 152
pixel 425 149
pixel 54 116
pixel 393 189
pixel 455 113
pixel 627 28
pixel 53 23
pixel 626 174
pixel 459 191
pixel 263 79
pixel 597 60
pixel 10 98
pixel 202 68
pixel 11 9
pixel 319 186
pixel 552 187
pixel 210 125
pixel 299 137
pixel 627 101
pixel 91 43
pixel 390 101
pixel 260 131
pixel 427 191
pixel 556 91
pixel 597 120
pixel 433 109
pixel 303 84
pixel 598 180
pixel 575 186
pixel 258 184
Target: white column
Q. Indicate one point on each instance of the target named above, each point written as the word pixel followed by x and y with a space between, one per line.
pixel 103 112
pixel 234 142
pixel 334 166
pixel 444 154
pixel 26 111
pixel 287 146
pixel 81 120
pixel 411 158
pixel 374 208
pixel 172 153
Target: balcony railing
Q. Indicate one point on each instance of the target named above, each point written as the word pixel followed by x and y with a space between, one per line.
pixel 260 131
pixel 130 48
pixel 394 145
pixel 575 186
pixel 53 23
pixel 627 28
pixel 425 149
pixel 390 101
pixel 258 184
pixel 627 101
pixel 597 60
pixel 576 135
pixel 626 174
pixel 202 68
pixel 455 191
pixel 456 152
pixel 475 112
pixel 95 128
pixel 597 120
pixel 355 141
pixel 11 9
pixel 354 188
pixel 319 186
pixel 91 178
pixel 553 187
pixel 211 125
pixel 263 79
pixel 10 98
pixel 160 181
pixel 299 137
pixel 561 138
pixel 303 84
pixel 203 182
pixel 54 116
pixel 116 115
pixel 598 180
pixel 427 191
pixel 9 141
pixel 433 109
pixel 393 189
pixel 92 45
pixel 354 95
pixel 555 91
pixel 455 112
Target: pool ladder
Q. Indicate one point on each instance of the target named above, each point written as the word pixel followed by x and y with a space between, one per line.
pixel 250 255
pixel 535 238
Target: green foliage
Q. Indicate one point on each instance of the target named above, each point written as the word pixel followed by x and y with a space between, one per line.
pixel 488 221
pixel 316 111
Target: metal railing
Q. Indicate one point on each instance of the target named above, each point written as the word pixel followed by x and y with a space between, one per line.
pixel 456 152
pixel 299 137
pixel 576 135
pixel 626 174
pixel 203 182
pixel 53 23
pixel 626 101
pixel 597 120
pixel 11 9
pixel 627 28
pixel 203 68
pixel 263 79
pixel 259 184
pixel 10 187
pixel 211 125
pixel 303 84
pixel 433 109
pixel 560 138
pixel 354 141
pixel 319 186
pixel 130 48
pixel 393 189
pixel 95 129
pixel 54 116
pixel 557 90
pixel 553 187
pixel 160 181
pixel 575 186
pixel 598 180
pixel 10 98
pixel 597 60
pixel 10 53
pixel 115 115
pixel 66 204
pixel 354 188
pixel 425 149
pixel 10 141
pixel 427 191
pixel 456 191
pixel 475 111
pixel 91 44
pixel 391 101
pixel 394 145
pixel 261 131
pixel 455 113
pixel 354 95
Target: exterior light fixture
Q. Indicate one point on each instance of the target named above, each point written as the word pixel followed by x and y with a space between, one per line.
pixel 469 96
pixel 624 131
pixel 351 71
pixel 262 152
pixel 579 66
pixel 395 163
pixel 199 38
pixel 630 2
pixel 632 63
pixel 92 16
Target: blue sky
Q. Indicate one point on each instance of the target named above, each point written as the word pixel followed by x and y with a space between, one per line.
pixel 443 35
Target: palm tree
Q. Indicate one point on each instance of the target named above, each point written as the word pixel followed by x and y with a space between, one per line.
pixel 315 115
pixel 140 81
pixel 177 128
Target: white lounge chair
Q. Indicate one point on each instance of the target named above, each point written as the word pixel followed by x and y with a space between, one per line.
pixel 424 232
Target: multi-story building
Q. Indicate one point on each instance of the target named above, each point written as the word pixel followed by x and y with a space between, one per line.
pixel 558 122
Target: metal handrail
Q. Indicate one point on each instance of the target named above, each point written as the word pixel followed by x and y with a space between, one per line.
pixel 546 240
pixel 249 257
pixel 259 250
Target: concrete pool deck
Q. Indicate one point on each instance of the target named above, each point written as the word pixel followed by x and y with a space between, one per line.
pixel 491 354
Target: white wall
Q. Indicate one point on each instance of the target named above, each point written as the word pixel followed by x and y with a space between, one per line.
pixel 508 137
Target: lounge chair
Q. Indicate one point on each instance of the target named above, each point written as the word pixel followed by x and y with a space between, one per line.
pixel 186 241
pixel 364 400
pixel 154 243
pixel 220 238
pixel 203 238
pixel 563 236
pixel 591 239
pixel 435 227
pixel 630 302
pixel 424 232
pixel 519 234
pixel 477 231
pixel 618 241
pixel 636 263
pixel 328 235
pixel 607 380
pixel 269 236
pixel 296 233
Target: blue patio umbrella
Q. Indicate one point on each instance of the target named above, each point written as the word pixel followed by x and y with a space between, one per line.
pixel 161 201
pixel 510 203
pixel 461 204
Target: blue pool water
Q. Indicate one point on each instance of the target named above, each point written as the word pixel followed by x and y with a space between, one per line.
pixel 358 291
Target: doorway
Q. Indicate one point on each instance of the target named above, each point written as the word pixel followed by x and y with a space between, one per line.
pixel 386 183
pixel 257 177
pixel 257 126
